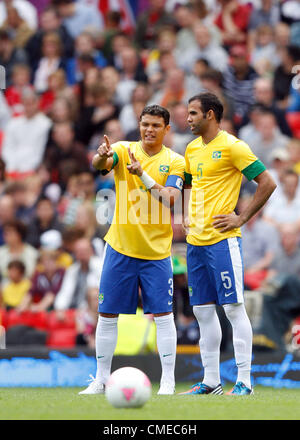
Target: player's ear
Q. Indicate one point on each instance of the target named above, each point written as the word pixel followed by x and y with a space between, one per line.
pixel 167 128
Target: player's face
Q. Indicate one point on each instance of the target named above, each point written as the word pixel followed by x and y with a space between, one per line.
pixel 197 120
pixel 153 130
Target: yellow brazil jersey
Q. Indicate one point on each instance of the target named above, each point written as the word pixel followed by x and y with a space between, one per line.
pixel 215 171
pixel 141 225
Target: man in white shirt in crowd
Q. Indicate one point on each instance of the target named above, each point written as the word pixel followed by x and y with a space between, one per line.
pixel 25 137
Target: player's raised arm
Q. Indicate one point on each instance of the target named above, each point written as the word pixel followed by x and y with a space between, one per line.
pixel 166 194
pixel 103 159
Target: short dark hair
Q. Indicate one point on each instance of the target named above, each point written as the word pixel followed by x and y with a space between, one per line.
pixel 209 101
pixel 18 226
pixel 17 264
pixel 156 110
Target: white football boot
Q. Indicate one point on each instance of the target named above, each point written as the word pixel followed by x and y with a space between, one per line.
pixel 95 387
pixel 166 389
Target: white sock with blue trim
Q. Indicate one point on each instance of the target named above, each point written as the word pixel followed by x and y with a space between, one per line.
pixel 242 340
pixel 166 337
pixel 210 341
pixel 105 341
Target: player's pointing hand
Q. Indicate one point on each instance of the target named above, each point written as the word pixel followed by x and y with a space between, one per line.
pixel 104 150
pixel 135 166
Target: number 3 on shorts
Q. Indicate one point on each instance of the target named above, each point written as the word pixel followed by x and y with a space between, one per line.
pixel 226 279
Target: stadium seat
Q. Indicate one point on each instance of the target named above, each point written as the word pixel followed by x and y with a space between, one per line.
pixel 55 324
pixel 37 320
pixel 63 338
pixel 3 317
pixel 293 119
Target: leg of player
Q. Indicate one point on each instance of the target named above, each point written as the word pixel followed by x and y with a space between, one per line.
pixel 166 346
pixel 210 341
pixel 242 344
pixel 105 341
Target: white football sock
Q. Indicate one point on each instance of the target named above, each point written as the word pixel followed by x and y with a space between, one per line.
pixel 166 337
pixel 210 341
pixel 242 340
pixel 105 341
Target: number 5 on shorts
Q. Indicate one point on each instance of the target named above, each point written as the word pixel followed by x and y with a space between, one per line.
pixel 226 279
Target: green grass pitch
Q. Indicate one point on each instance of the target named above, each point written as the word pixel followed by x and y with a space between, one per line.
pixel 66 404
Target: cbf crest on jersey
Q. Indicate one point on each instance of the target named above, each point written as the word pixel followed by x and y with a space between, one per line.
pixel 216 155
pixel 164 168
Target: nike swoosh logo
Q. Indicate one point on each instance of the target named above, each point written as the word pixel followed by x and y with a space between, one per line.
pixel 165 355
pixel 170 303
pixel 99 357
pixel 228 294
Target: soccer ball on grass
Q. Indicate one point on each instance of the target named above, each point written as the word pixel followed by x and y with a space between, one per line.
pixel 128 387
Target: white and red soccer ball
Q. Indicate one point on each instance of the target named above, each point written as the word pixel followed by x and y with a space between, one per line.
pixel 128 387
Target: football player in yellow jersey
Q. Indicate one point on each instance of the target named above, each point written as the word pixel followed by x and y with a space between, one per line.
pixel 148 179
pixel 215 164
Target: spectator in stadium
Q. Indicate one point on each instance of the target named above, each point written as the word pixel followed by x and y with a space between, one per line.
pixel 176 88
pixel 185 19
pixel 7 212
pixel 25 137
pixel 281 302
pixel 112 21
pixel 285 208
pixel 263 55
pixel 5 114
pixel 238 82
pixel 20 80
pixel 131 72
pixel 17 286
pixel 233 21
pixel 113 129
pixel 294 152
pixel 50 61
pixel 86 220
pixel 87 318
pixel 63 109
pixel 206 49
pixel 63 148
pixel 212 81
pixel 50 21
pixel 84 45
pixel 81 275
pixel 45 219
pixel 57 88
pixel 45 283
pixel 260 243
pixel 78 16
pixel 166 44
pixel 26 10
pixel 283 76
pixel 10 55
pixel 180 134
pixel 150 22
pixel 16 26
pixel 130 112
pixel 15 247
pixel 264 96
pixel 268 138
pixel 282 35
pixel 266 13
pixel 94 116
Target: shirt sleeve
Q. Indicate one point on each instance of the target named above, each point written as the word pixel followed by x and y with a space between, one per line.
pixel 245 160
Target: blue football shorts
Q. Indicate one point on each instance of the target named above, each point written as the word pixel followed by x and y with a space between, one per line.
pixel 123 277
pixel 216 273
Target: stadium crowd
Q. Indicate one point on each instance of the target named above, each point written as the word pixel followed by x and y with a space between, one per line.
pixel 75 72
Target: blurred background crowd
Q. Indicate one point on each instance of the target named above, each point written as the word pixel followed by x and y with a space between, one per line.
pixel 75 70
